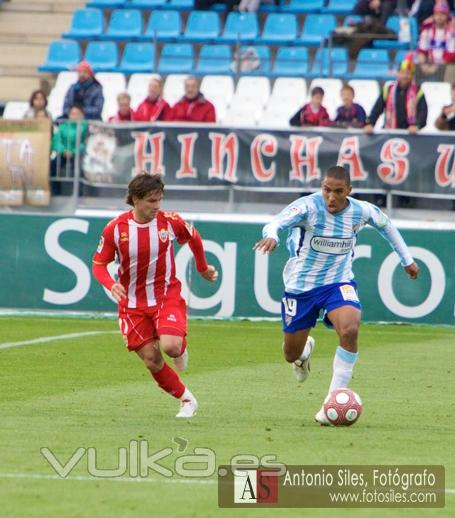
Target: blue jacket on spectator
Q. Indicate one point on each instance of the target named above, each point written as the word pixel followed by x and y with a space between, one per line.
pixel 89 95
pixel 353 117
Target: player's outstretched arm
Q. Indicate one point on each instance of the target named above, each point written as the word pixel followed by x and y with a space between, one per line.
pixel 412 270
pixel 211 274
pixel 266 245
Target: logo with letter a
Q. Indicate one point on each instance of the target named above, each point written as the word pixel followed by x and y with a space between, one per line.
pixel 255 486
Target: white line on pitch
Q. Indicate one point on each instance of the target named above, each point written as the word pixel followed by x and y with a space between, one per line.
pixel 45 339
pixel 85 478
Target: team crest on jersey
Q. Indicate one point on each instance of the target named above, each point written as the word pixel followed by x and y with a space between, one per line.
pixel 100 245
pixel 164 234
pixel 124 236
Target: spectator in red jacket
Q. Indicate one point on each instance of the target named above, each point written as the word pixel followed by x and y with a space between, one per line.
pixel 154 107
pixel 125 113
pixel 312 113
pixel 193 106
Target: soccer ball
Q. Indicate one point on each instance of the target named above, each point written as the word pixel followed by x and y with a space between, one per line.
pixel 342 407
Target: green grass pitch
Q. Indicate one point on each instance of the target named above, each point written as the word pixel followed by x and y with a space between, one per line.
pixel 89 392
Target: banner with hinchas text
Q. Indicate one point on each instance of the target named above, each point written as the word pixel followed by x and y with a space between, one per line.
pixel 203 156
pixel 24 162
pixel 46 264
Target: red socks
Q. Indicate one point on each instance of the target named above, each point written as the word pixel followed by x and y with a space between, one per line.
pixel 169 381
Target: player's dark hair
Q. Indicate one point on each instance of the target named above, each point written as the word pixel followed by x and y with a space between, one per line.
pixel 317 90
pixel 339 173
pixel 143 184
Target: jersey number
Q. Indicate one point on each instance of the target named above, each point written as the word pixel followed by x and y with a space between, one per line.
pixel 290 306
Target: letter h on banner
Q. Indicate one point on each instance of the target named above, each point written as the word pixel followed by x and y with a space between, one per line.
pixel 255 486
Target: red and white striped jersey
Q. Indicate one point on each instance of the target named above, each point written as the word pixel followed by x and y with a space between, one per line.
pixel 145 254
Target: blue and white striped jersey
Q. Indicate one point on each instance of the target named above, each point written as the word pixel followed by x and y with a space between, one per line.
pixel 321 244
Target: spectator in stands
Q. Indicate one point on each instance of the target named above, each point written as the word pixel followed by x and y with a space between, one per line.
pixel 86 92
pixel 154 107
pixel 423 9
pixel 403 102
pixel 124 113
pixel 37 102
pixel 312 113
pixel 65 139
pixel 193 106
pixel 437 40
pixel 350 114
pixel 377 9
pixel 446 121
pixel 205 5
pixel 252 6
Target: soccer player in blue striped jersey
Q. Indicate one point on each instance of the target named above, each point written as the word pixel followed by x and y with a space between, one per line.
pixel 322 230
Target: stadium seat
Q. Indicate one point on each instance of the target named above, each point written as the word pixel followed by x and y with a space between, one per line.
pixel 330 62
pixel 437 95
pixel 176 58
pixel 263 55
pixel 331 89
pixel 340 6
pixel 393 23
pixel 148 4
pixel 15 110
pixel 291 61
pixel 279 29
pixel 113 83
pixel 253 90
pixel 102 55
pixel 316 28
pixel 202 26
pixel 241 27
pixel 107 4
pixel 181 5
pixel 242 114
pixel 137 57
pixel 174 88
pixel 219 90
pixel 138 88
pixel 125 24
pixel 304 6
pixel 57 94
pixel 366 92
pixel 61 55
pixel 289 89
pixel 214 59
pixel 277 113
pixel 86 24
pixel 372 64
pixel 164 26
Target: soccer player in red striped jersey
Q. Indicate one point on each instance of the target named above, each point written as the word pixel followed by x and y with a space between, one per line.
pixel 152 313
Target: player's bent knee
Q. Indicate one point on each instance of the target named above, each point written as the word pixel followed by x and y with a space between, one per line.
pixel 172 345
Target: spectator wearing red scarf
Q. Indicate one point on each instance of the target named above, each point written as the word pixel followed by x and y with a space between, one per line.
pixel 312 113
pixel 125 113
pixel 154 107
pixel 193 106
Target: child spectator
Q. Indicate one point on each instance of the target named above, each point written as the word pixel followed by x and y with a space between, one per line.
pixel 37 102
pixel 350 114
pixel 312 113
pixel 125 113
pixel 446 121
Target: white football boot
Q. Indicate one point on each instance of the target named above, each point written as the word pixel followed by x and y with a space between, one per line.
pixel 188 405
pixel 302 368
pixel 321 418
pixel 181 362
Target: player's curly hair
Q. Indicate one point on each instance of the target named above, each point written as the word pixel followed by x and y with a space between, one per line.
pixel 143 184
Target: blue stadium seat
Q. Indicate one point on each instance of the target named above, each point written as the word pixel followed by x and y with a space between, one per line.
pixel 214 59
pixel 202 26
pixel 330 63
pixel 291 62
pixel 279 28
pixel 372 64
pixel 86 24
pixel 263 53
pixel 148 4
pixel 393 23
pixel 176 58
pixel 102 56
pixel 399 56
pixel 107 4
pixel 125 24
pixel 315 28
pixel 240 26
pixel 304 6
pixel 181 5
pixel 137 58
pixel 340 6
pixel 61 55
pixel 164 25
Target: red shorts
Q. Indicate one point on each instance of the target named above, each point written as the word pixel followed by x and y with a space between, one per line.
pixel 141 326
